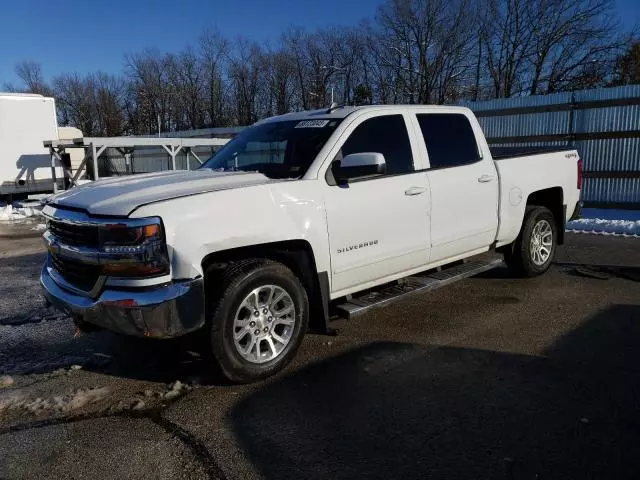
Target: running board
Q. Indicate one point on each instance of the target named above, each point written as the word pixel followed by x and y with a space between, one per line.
pixel 387 294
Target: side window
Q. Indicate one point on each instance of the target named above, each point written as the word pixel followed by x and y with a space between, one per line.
pixel 449 138
pixel 386 135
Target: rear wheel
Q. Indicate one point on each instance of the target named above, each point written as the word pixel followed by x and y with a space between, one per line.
pixel 258 320
pixel 533 251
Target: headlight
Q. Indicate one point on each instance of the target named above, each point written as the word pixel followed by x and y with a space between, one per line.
pixel 119 234
pixel 134 251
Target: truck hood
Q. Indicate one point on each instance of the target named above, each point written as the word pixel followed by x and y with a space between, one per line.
pixel 120 196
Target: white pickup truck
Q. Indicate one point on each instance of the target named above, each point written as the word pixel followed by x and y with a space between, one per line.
pixel 299 217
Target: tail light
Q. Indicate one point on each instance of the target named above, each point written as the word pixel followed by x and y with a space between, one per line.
pixel 580 173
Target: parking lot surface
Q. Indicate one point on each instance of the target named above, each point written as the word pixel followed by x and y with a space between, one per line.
pixel 492 377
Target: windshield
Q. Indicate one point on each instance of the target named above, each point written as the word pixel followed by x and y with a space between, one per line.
pixel 277 149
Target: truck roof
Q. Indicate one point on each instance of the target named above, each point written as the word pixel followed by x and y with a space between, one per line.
pixel 346 110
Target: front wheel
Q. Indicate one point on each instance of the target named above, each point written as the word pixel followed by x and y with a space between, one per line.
pixel 258 321
pixel 533 251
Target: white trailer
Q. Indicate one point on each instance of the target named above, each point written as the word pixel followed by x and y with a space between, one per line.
pixel 26 120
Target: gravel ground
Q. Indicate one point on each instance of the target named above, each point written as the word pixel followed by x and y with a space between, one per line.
pixel 492 377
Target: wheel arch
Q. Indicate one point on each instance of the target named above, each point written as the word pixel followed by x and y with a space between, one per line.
pixel 553 199
pixel 297 255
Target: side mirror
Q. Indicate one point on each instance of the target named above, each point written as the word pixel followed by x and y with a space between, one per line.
pixel 362 164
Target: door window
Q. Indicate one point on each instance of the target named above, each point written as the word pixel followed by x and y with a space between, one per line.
pixel 449 139
pixel 386 135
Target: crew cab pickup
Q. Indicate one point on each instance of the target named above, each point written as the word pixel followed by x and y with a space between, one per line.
pixel 298 217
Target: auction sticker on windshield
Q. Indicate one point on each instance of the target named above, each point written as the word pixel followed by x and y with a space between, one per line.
pixel 312 124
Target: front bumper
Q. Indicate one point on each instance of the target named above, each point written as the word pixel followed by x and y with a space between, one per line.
pixel 170 310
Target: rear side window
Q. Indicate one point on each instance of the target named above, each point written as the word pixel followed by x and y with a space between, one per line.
pixel 386 135
pixel 449 138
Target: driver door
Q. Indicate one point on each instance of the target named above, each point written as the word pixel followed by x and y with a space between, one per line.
pixel 378 225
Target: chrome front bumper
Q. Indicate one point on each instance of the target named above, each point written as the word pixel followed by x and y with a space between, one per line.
pixel 169 310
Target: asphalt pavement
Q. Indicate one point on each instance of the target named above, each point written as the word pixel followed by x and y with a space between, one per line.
pixel 492 377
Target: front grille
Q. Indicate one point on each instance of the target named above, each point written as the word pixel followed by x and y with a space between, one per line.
pixel 78 274
pixel 73 234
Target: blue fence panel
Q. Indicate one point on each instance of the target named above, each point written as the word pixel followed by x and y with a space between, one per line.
pixel 521 125
pixel 612 190
pixel 603 124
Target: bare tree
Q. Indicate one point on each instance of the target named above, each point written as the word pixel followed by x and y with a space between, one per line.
pixel 247 62
pixel 10 87
pixel 280 71
pixel 507 35
pixel 186 75
pixel 214 50
pixel 30 73
pixel 413 51
pixel 94 103
pixel 426 44
pixel 108 103
pixel 574 44
pixel 321 53
pixel 148 73
pixel 350 67
pixel 627 69
pixel 294 42
pixel 75 98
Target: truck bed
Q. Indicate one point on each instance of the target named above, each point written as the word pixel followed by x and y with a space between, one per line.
pixel 501 153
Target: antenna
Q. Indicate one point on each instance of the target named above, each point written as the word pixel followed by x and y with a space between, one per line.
pixel 333 106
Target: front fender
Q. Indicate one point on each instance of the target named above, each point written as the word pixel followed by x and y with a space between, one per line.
pixel 199 225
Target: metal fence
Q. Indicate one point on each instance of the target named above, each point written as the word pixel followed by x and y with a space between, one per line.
pixel 113 162
pixel 603 124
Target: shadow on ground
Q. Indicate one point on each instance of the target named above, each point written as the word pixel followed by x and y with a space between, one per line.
pixel 584 270
pixel 48 346
pixel 603 272
pixel 397 410
pixel 156 360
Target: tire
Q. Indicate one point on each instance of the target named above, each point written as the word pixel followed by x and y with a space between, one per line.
pixel 240 282
pixel 522 258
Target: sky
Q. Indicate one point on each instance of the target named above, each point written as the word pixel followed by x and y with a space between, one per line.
pixel 90 35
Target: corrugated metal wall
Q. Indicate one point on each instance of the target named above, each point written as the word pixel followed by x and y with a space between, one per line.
pixel 603 124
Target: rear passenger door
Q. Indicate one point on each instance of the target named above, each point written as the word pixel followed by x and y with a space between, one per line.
pixel 464 186
pixel 378 225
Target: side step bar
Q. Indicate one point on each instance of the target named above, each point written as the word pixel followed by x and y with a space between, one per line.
pixel 387 294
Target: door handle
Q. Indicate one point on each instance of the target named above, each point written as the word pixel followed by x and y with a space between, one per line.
pixel 486 178
pixel 415 190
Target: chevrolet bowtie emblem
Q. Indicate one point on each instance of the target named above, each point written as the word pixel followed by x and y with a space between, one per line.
pixel 54 247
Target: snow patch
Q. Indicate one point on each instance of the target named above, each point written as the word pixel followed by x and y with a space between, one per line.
pixel 602 221
pixel 6 381
pixel 17 211
pixel 58 403
pixel 627 228
pixel 176 389
pixel 40 227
